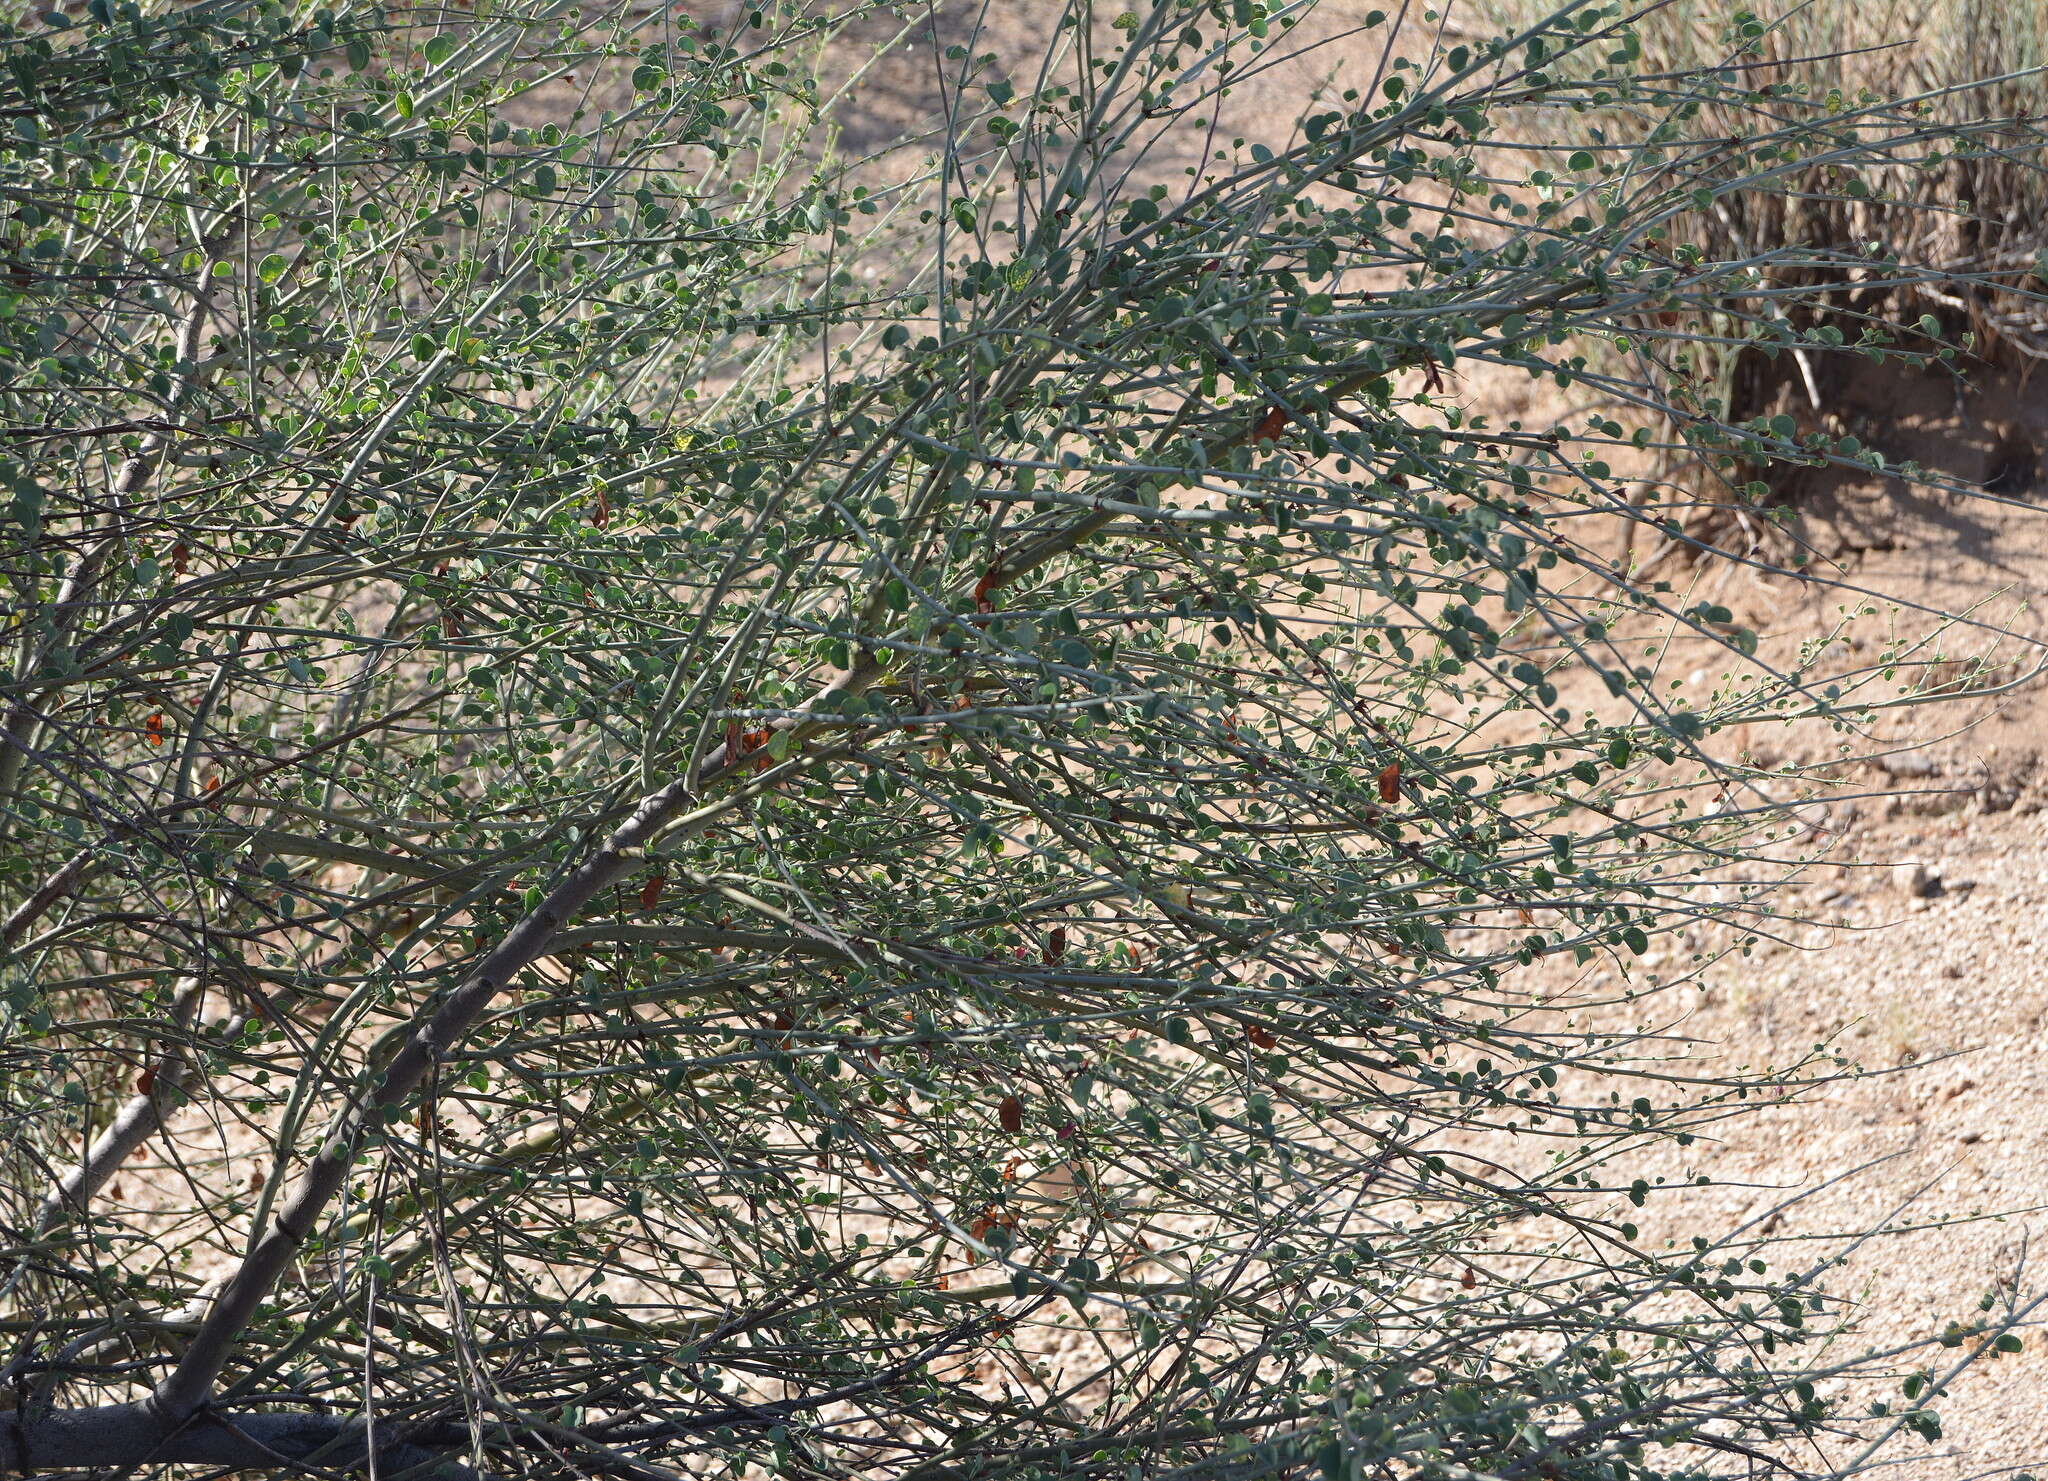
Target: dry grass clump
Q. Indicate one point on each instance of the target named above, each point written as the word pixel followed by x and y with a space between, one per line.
pixel 1775 101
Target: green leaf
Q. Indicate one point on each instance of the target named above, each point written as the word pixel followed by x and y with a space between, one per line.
pixel 1330 1460
pixel 440 49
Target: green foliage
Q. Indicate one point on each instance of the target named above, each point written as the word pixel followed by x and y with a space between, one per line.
pixel 1100 732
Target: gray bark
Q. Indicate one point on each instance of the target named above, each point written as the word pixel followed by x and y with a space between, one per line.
pixel 120 1437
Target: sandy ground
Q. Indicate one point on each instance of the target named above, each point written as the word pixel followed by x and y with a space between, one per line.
pixel 1921 960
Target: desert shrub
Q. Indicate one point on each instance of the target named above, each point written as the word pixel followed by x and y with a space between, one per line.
pixel 674 804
